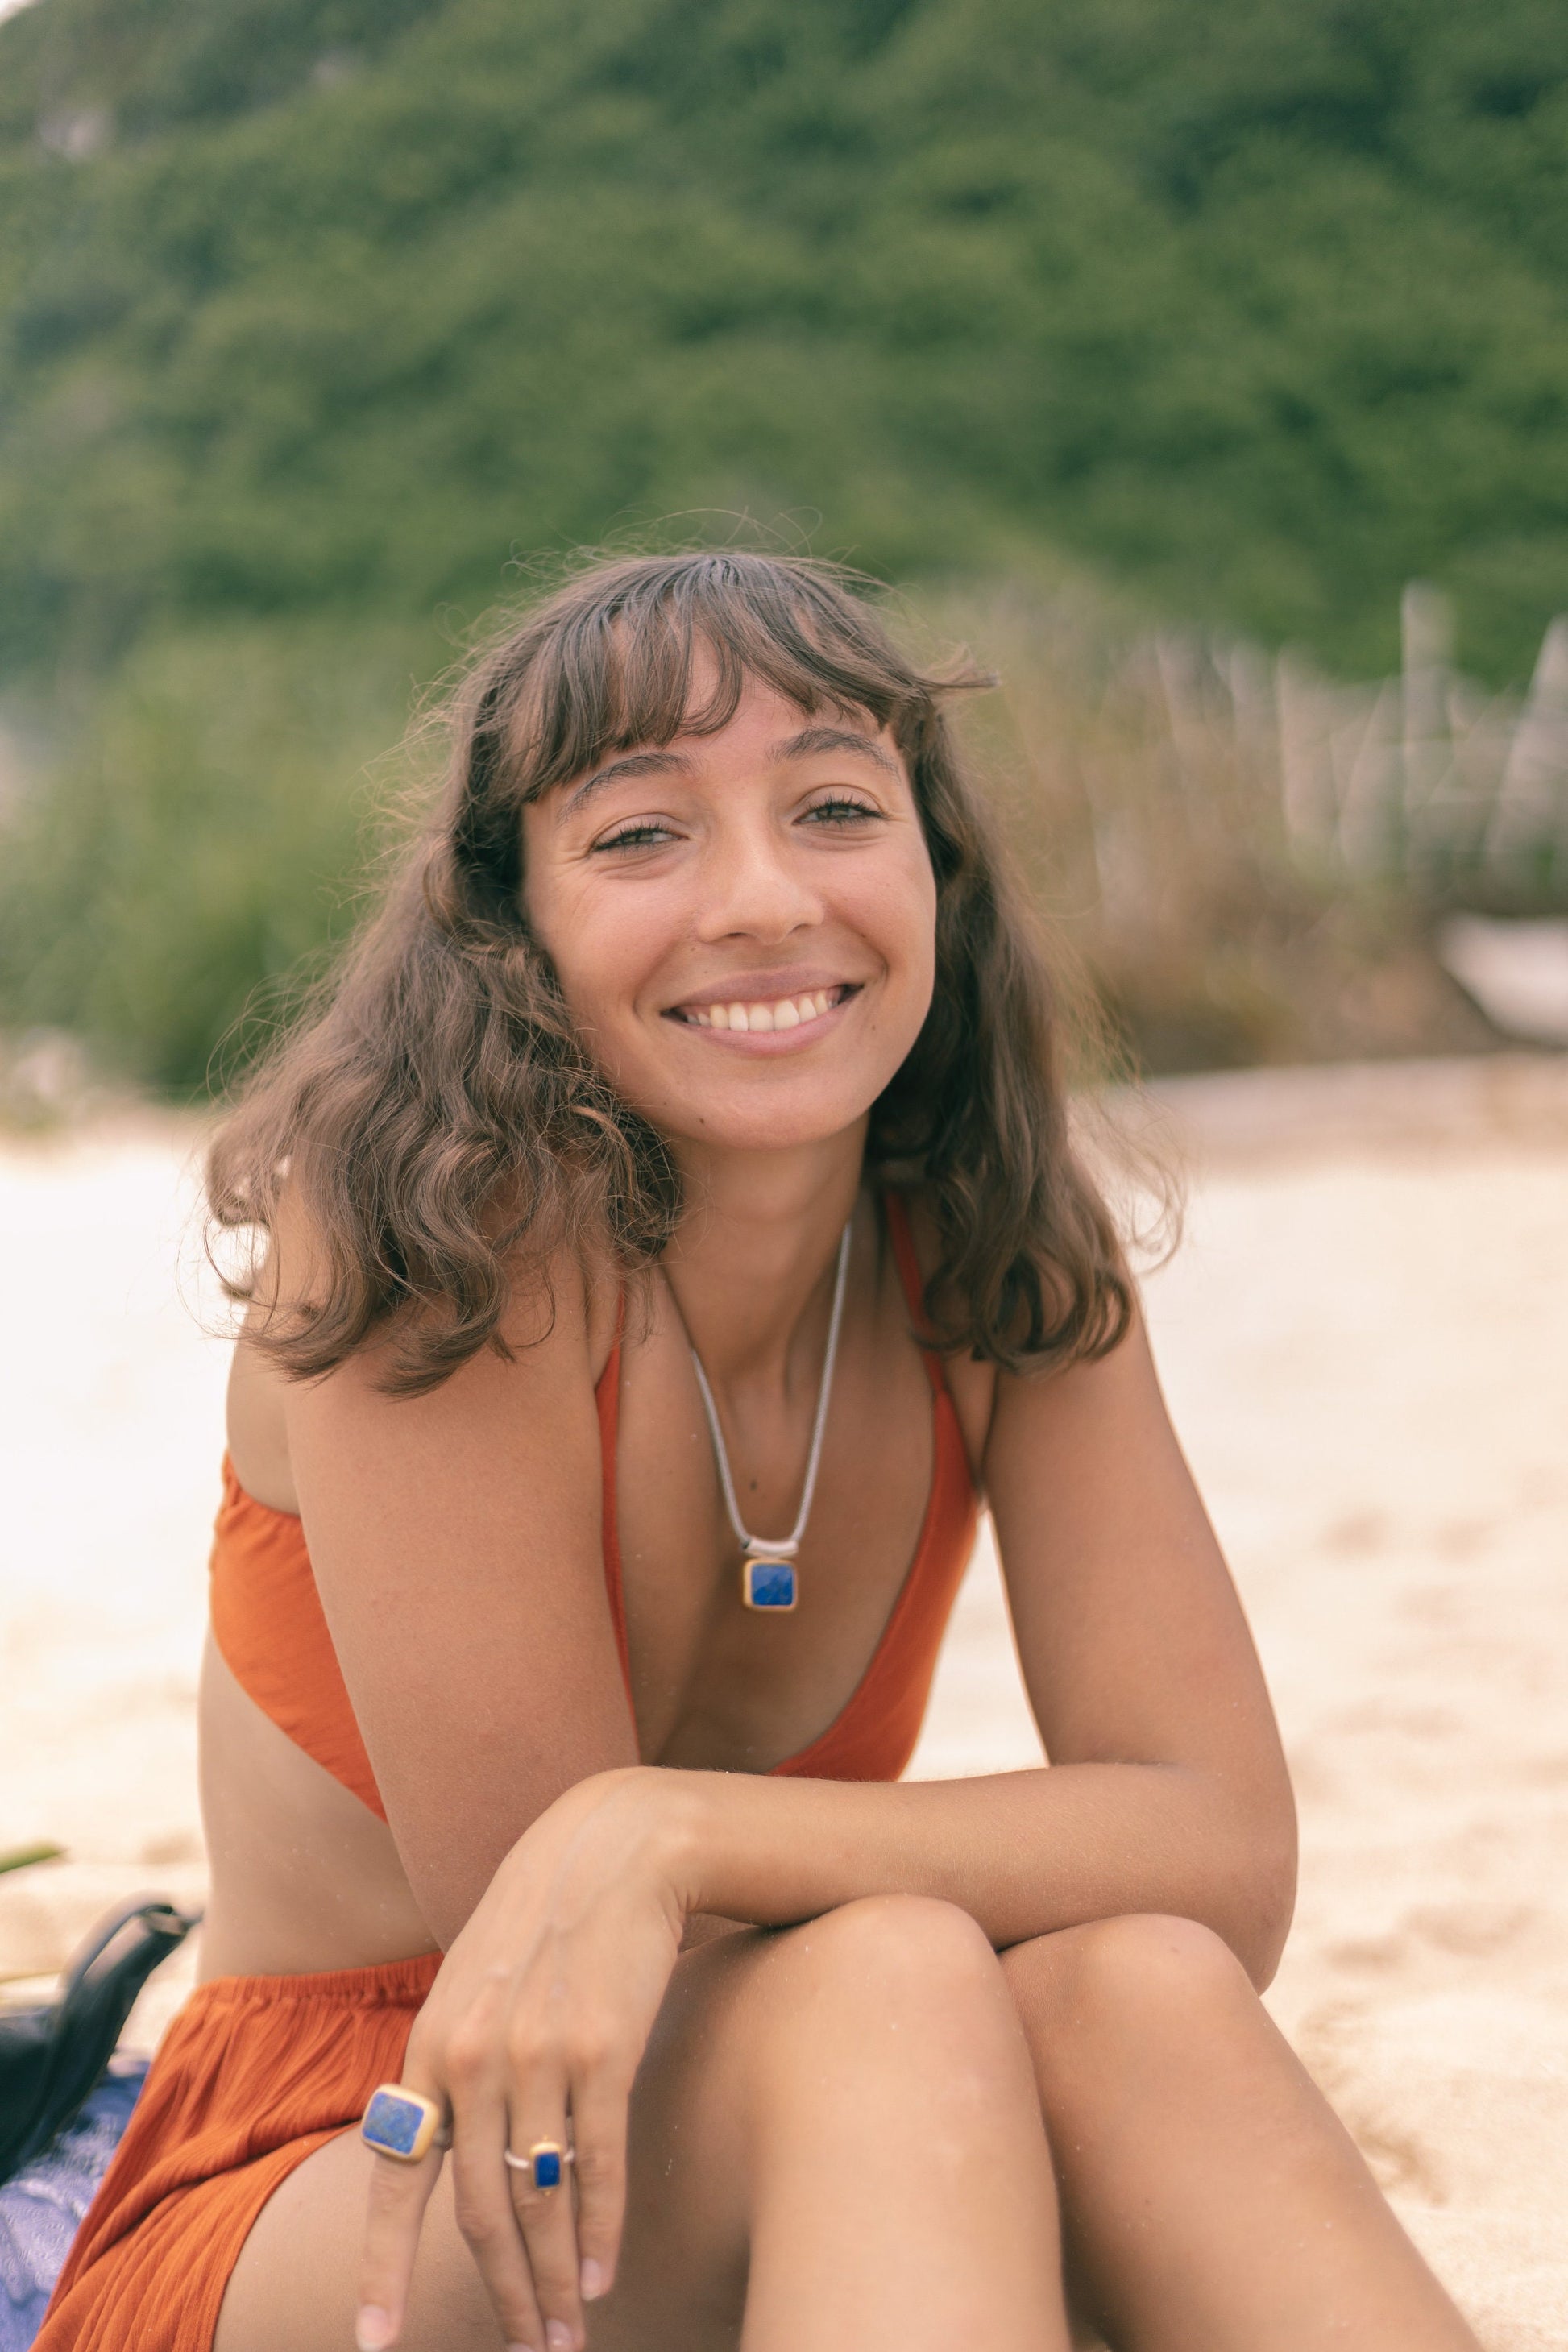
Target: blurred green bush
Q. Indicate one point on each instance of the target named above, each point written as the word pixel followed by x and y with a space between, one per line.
pixel 168 884
pixel 314 313
pixel 1259 306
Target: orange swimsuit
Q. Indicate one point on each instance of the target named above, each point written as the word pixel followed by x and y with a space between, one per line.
pixel 257 2073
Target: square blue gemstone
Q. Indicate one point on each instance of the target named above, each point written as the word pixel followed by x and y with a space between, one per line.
pixel 392 2122
pixel 547 2169
pixel 770 1584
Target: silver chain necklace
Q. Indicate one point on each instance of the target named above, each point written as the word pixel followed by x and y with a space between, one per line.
pixel 768 1579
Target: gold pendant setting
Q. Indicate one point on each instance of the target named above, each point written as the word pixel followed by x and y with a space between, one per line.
pixel 769 1582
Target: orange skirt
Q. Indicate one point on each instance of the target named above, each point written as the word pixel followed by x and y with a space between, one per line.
pixel 254 2075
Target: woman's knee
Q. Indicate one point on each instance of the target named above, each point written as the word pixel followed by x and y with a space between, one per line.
pixel 1131 1985
pixel 895 2011
pixel 903 1948
pixel 904 1970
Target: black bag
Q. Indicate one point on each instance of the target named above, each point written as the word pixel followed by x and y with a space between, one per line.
pixel 51 2058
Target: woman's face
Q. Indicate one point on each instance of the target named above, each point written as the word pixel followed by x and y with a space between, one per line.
pixel 742 923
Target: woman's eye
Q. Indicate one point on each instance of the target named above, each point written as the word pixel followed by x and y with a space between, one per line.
pixel 635 837
pixel 841 810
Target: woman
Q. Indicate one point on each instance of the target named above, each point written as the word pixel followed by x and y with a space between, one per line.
pixel 677 1162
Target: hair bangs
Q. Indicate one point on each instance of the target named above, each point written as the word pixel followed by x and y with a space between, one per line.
pixel 623 662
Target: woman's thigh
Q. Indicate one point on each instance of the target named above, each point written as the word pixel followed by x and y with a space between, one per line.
pixel 789 2080
pixel 683 2258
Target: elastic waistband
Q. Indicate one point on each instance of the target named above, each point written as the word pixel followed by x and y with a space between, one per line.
pixel 386 1984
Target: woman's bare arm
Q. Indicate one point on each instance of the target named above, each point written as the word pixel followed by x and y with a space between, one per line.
pixel 457 1545
pixel 1135 1652
pixel 456 1541
pixel 1167 1790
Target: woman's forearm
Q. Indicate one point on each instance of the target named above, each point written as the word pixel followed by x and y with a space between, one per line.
pixel 1024 1852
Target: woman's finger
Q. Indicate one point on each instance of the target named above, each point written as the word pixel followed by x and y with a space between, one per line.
pixel 599 2111
pixel 485 2215
pixel 399 2193
pixel 541 2199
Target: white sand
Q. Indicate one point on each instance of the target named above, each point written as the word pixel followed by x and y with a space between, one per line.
pixel 1365 1342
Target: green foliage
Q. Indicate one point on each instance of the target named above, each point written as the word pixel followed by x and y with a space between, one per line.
pixel 1259 309
pixel 194 853
pixel 314 314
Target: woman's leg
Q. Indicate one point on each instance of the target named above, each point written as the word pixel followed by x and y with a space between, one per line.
pixel 1212 2199
pixel 835 2140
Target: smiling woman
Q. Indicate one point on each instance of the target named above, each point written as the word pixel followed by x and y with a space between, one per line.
pixel 682 1150
pixel 635 821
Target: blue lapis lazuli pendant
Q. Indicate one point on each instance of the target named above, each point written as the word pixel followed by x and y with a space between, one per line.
pixel 768 1584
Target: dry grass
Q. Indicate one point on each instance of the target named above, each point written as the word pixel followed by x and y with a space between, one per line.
pixel 1246 862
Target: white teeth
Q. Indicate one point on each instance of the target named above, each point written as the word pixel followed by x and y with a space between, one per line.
pixel 784 1013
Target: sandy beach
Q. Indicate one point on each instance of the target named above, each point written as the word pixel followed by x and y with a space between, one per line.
pixel 1364 1337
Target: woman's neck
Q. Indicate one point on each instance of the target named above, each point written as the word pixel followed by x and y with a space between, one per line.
pixel 752 1263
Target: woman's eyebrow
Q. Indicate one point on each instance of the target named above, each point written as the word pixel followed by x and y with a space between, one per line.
pixel 812 739
pixel 615 771
pixel 809 742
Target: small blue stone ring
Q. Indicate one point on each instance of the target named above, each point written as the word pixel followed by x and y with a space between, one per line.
pixel 404 2125
pixel 543 2164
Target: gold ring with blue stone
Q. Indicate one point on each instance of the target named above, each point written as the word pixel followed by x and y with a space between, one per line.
pixel 402 2123
pixel 544 2163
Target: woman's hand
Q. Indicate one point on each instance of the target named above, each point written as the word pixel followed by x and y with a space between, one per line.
pixel 533 2030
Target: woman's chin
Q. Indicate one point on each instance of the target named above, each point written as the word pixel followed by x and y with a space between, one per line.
pixel 759 1129
pixel 755 1106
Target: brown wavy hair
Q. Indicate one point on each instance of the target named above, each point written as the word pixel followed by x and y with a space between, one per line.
pixel 434 1116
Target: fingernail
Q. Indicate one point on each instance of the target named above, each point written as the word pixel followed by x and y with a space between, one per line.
pixel 592 2281
pixel 558 2336
pixel 374 2330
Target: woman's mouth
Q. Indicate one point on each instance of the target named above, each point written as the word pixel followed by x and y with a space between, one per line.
pixel 796 1011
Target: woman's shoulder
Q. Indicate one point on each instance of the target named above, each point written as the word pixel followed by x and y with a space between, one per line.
pixel 558 1331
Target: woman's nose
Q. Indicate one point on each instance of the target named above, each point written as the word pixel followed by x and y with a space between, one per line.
pixel 753 885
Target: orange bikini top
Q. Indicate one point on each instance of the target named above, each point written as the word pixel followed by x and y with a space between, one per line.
pixel 269 1626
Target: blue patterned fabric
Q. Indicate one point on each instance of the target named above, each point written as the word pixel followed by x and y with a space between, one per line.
pixel 41 2208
